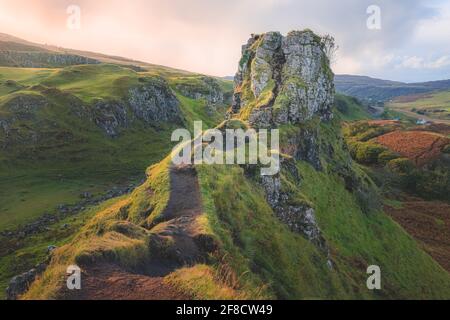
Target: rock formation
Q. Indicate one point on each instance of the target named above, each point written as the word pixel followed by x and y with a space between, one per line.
pixel 283 79
pixel 287 80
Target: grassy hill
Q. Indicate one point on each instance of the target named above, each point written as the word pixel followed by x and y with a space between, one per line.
pixel 226 232
pixel 54 146
pixel 434 105
pixel 257 256
pixel 366 88
pixel 55 142
pixel 350 109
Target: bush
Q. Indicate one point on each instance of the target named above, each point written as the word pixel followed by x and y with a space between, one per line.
pixel 401 166
pixel 386 156
pixel 368 153
pixel 446 149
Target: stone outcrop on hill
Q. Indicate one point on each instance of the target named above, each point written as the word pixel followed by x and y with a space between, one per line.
pixel 283 79
pixel 152 102
pixel 287 80
pixel 41 59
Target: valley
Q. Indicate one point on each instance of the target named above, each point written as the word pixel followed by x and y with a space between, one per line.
pixel 433 107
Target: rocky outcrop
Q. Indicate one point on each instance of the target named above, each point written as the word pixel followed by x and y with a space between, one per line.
pixel 151 102
pixel 203 88
pixel 206 88
pixel 298 216
pixel 41 59
pixel 283 79
pixel 24 106
pixel 154 102
pixel 305 146
pixel 110 116
pixel 287 80
pixel 20 284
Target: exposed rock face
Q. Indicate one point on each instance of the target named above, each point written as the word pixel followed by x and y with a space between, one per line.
pixel 110 116
pixel 19 284
pixel 209 90
pixel 305 146
pixel 151 102
pixel 24 106
pixel 4 125
pixel 41 59
pixel 287 80
pixel 300 217
pixel 283 79
pixel 154 102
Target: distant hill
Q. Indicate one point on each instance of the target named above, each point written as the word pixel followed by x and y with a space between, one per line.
pixel 434 106
pixel 20 53
pixel 366 88
pixel 16 52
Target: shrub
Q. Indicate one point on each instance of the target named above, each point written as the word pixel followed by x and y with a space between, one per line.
pixel 368 153
pixel 401 166
pixel 386 156
pixel 446 149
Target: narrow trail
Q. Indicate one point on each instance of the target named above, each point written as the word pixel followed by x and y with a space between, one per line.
pixel 111 282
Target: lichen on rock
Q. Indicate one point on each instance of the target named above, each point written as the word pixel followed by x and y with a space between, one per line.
pixel 287 80
pixel 296 70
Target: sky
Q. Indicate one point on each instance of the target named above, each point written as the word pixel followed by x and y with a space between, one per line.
pixel 405 40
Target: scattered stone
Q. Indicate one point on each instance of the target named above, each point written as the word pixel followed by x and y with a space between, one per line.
pixel 51 248
pixel 19 284
pixel 86 195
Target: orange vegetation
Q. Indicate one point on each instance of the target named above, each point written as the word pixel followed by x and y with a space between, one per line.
pixel 419 146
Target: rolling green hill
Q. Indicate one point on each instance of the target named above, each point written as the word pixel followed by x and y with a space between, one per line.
pixel 433 106
pixel 85 129
pixel 371 89
pixel 350 108
pixel 226 231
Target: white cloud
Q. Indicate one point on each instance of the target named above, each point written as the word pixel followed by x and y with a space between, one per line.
pixel 412 62
pixel 415 62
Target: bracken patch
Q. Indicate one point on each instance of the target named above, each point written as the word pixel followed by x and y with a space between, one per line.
pixel 421 147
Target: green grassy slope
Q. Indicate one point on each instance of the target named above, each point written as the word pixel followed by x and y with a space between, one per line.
pixel 67 158
pixel 72 155
pixel 350 108
pixel 435 105
pixel 260 255
pixel 257 256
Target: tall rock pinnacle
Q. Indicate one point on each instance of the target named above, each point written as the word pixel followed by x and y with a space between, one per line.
pixel 283 79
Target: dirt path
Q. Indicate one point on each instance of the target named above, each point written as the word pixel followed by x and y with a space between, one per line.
pixel 111 282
